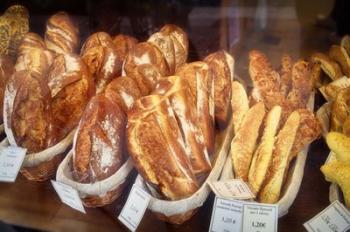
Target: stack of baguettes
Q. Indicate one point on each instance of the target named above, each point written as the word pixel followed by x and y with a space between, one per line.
pixel 271 133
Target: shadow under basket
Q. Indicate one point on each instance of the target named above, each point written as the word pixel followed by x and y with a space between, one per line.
pixel 44 170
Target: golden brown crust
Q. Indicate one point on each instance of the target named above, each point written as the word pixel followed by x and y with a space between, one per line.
pixel 99 146
pixel 71 88
pixel 200 80
pixel 330 67
pixel 145 64
pixel 156 146
pixel 31 116
pixel 340 55
pixel 340 109
pixel 123 91
pixel 6 70
pixel 219 63
pixel 61 35
pixel 96 40
pixel 286 74
pixel 172 41
pixel 31 40
pixel 123 44
pixel 240 104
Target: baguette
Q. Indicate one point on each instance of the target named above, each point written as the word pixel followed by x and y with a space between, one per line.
pixel 239 104
pixel 271 191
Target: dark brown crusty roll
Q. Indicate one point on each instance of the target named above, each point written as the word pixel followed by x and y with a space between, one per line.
pixel 99 143
pixel 172 41
pixel 177 90
pixel 100 55
pixel 123 91
pixel 156 146
pixel 71 87
pixel 221 64
pixel 61 35
pixel 28 113
pixel 200 80
pixel 145 64
pixel 6 70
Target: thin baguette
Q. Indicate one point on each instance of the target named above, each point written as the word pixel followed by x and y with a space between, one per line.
pixel 239 103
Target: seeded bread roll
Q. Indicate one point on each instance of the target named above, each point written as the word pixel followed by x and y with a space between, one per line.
pixel 61 35
pixel 98 150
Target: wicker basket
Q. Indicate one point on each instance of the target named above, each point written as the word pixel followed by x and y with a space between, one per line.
pixel 96 194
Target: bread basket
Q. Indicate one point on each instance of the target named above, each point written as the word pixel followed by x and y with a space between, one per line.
pixel 177 212
pixel 292 184
pixel 99 193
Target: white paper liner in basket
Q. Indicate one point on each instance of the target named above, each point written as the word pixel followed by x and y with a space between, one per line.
pixel 34 159
pixel 99 188
pixel 294 179
pixel 172 208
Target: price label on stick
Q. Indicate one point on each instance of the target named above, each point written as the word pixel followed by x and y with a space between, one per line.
pixel 226 215
pixel 11 159
pixel 68 196
pixel 134 208
pixel 260 217
pixel 334 218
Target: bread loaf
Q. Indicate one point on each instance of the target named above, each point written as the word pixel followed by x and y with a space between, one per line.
pixel 98 150
pixel 123 91
pixel 331 68
pixel 145 64
pixel 28 112
pixel 61 35
pixel 156 146
pixel 340 55
pixel 123 44
pixel 239 103
pixel 221 64
pixel 6 70
pixel 102 59
pixel 340 109
pixel 172 41
pixel 286 74
pixel 31 40
pixel 71 87
pixel 177 90
pixel 200 81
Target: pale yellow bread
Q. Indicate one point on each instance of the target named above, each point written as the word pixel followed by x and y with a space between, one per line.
pixel 263 154
pixel 245 140
pixel 271 191
pixel 239 103
pixel 340 144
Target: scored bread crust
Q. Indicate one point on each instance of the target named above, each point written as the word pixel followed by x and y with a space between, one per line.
pixel 263 154
pixel 270 192
pixel 99 146
pixel 157 148
pixel 200 80
pixel 177 90
pixel 245 141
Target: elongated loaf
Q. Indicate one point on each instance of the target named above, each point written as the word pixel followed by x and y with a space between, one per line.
pixel 239 103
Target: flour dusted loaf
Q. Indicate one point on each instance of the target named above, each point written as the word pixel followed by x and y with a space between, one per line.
pixel 98 149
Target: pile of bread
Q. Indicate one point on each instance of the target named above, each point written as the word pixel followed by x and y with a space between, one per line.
pixel 336 87
pixel 273 125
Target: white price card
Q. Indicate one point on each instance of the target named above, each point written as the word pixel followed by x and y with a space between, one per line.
pixel 134 208
pixel 232 189
pixel 226 215
pixel 260 217
pixel 334 218
pixel 11 159
pixel 68 195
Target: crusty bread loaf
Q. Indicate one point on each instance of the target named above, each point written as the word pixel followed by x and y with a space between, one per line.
pixel 123 44
pixel 340 55
pixel 172 41
pixel 340 109
pixel 177 90
pixel 71 87
pixel 263 155
pixel 156 146
pixel 31 40
pixel 123 91
pixel 200 81
pixel 239 103
pixel 286 74
pixel 222 66
pixel 330 67
pixel 271 191
pixel 29 115
pixel 98 149
pixel 100 55
pixel 145 64
pixel 6 70
pixel 61 35
pixel 245 141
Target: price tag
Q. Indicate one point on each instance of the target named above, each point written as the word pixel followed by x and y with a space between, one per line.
pixel 134 208
pixel 226 216
pixel 232 189
pixel 68 196
pixel 260 217
pixel 334 218
pixel 11 159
